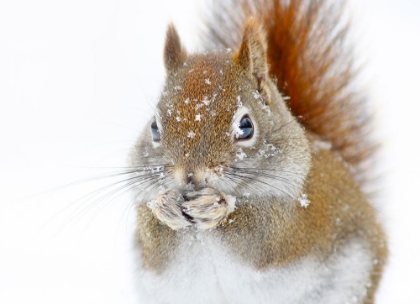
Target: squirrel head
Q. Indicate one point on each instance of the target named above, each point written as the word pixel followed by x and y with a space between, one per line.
pixel 222 123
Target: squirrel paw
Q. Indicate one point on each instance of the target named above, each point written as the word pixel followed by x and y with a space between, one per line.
pixel 167 208
pixel 208 207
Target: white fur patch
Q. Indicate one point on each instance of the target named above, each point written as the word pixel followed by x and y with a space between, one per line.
pixel 204 273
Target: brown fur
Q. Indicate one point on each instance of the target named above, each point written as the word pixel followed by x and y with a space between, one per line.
pixel 175 54
pixel 337 213
pixel 156 240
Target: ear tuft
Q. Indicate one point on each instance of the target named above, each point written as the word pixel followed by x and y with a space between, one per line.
pixel 252 53
pixel 174 54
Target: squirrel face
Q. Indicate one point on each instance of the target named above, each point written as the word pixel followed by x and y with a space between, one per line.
pixel 221 123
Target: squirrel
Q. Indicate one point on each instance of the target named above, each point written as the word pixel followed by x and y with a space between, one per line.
pixel 251 180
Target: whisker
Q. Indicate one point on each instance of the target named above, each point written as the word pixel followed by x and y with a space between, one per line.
pixel 250 177
pixel 138 180
pixel 110 197
pixel 284 125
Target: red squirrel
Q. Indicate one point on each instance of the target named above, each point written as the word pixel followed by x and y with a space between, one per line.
pixel 251 177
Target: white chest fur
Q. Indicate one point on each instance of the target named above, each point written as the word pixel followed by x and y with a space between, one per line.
pixel 204 273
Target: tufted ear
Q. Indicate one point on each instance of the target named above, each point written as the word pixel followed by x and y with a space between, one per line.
pixel 174 53
pixel 252 53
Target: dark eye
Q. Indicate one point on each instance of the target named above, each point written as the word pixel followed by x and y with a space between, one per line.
pixel 155 131
pixel 246 127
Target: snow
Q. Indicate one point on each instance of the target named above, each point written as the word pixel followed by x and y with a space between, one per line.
pixel 240 154
pixel 191 134
pixel 237 130
pixel 231 200
pixel 206 101
pixel 256 95
pixel 239 99
pixel 303 200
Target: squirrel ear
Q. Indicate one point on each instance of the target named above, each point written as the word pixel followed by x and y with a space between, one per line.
pixel 174 54
pixel 252 52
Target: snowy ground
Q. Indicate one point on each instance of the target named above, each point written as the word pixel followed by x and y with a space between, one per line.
pixel 78 80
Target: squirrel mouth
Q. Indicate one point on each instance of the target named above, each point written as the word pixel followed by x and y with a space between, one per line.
pixel 194 194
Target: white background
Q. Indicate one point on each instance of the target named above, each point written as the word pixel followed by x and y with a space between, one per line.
pixel 79 78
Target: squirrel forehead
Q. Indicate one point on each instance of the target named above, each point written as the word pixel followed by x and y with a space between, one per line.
pixel 198 105
pixel 205 85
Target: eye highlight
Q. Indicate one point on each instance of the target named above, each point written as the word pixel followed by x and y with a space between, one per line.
pixel 155 131
pixel 246 129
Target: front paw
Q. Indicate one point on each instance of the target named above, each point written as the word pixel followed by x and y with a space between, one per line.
pixel 208 207
pixel 167 208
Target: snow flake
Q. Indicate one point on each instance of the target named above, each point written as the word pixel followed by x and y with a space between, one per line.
pixel 191 134
pixel 256 95
pixel 240 154
pixel 239 101
pixel 237 130
pixel 206 101
pixel 207 81
pixel 303 200
pixel 198 117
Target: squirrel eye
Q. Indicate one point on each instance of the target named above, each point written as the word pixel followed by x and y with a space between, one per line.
pixel 155 131
pixel 246 129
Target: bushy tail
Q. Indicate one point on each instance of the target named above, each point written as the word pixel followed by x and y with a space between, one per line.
pixel 309 55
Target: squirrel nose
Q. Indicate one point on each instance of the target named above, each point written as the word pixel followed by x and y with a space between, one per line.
pixel 190 179
pixel 185 178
